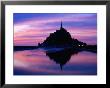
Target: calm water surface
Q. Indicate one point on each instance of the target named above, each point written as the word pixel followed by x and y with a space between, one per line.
pixel 38 62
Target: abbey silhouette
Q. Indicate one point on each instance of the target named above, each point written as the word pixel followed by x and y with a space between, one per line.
pixel 61 38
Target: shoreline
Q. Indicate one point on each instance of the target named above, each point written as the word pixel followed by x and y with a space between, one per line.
pixel 89 48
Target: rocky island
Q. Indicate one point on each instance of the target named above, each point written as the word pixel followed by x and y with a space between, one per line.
pixel 62 39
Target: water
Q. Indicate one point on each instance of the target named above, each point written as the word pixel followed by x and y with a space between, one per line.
pixel 39 62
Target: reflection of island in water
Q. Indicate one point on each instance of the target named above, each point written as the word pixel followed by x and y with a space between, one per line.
pixel 61 39
pixel 61 57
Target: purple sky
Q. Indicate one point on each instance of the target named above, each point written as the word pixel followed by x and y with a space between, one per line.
pixel 32 28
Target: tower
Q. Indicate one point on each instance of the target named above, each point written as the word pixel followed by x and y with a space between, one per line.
pixel 61 25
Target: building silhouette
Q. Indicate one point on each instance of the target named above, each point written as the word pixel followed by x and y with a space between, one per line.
pixel 61 38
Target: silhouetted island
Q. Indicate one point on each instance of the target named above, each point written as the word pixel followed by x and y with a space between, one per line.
pixel 62 38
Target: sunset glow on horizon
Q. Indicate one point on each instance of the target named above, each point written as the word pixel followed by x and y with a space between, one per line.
pixel 33 28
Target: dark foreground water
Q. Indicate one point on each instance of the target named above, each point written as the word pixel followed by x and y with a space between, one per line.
pixel 40 62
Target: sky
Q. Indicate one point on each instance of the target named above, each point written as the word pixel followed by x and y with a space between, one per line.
pixel 33 28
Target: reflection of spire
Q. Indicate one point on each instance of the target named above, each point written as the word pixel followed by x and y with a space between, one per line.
pixel 61 66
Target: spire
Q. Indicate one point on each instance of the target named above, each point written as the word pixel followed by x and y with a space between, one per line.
pixel 61 25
